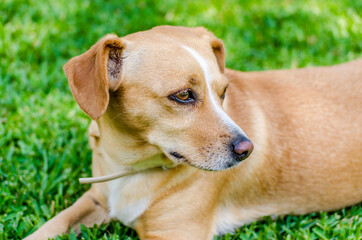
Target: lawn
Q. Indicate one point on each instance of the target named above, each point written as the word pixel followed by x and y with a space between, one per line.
pixel 43 141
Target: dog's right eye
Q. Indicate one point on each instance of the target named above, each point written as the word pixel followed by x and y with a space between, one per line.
pixel 183 96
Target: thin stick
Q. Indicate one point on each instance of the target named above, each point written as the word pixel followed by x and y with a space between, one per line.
pixel 122 173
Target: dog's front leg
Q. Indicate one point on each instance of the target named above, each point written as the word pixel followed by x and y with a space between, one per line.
pixel 87 210
pixel 183 222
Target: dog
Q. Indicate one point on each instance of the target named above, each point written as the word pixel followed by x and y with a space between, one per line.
pixel 164 105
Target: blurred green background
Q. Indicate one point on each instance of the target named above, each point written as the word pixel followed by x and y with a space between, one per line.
pixel 43 142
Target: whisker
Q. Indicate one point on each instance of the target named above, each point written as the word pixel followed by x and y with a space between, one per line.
pixel 119 114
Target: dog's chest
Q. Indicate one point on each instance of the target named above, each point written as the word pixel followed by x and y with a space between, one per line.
pixel 128 198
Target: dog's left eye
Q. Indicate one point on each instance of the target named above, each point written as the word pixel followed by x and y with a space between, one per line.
pixel 183 96
pixel 223 94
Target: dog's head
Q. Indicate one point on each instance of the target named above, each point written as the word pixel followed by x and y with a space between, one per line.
pixel 167 87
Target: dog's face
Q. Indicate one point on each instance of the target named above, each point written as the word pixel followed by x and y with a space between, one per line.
pixel 167 86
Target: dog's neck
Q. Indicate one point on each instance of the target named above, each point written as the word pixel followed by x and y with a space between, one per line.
pixel 123 145
pixel 124 153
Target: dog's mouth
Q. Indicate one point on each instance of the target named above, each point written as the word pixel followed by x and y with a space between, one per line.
pixel 181 159
pixel 220 165
pixel 177 155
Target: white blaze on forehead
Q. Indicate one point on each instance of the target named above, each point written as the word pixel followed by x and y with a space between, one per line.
pixel 205 68
pixel 209 79
pixel 203 64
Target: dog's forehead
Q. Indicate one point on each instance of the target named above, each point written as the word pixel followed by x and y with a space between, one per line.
pixel 157 57
pixel 163 32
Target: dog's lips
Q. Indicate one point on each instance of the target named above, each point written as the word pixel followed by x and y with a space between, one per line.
pixel 182 159
pixel 177 155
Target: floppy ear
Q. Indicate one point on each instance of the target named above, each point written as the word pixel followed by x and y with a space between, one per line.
pixel 92 74
pixel 216 44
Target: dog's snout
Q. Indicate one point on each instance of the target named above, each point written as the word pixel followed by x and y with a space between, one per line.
pixel 242 147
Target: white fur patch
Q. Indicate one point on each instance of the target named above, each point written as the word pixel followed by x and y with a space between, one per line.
pixel 125 205
pixel 209 79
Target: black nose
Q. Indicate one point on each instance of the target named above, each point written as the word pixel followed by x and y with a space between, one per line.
pixel 242 147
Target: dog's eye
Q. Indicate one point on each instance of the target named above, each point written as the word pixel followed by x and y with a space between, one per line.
pixel 223 94
pixel 183 96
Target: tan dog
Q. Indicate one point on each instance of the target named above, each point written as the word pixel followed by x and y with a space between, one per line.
pixel 157 98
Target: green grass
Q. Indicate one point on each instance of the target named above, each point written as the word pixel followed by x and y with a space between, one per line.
pixel 43 142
